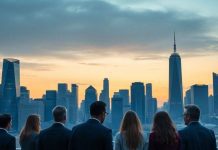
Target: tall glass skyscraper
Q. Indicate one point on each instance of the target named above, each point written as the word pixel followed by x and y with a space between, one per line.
pixel 138 99
pixel 215 92
pixel 10 89
pixel 175 85
pixel 104 96
pixel 73 104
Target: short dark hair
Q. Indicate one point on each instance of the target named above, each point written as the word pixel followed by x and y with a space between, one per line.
pixel 97 108
pixel 5 119
pixel 193 111
pixel 59 113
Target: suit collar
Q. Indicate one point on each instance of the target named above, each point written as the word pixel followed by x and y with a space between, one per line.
pixel 193 123
pixel 94 120
pixel 4 130
pixel 58 124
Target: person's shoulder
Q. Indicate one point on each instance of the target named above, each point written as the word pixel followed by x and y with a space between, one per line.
pixel 184 130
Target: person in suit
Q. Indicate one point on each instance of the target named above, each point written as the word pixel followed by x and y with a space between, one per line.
pixel 7 141
pixel 92 135
pixel 29 134
pixel 57 136
pixel 131 136
pixel 163 135
pixel 195 136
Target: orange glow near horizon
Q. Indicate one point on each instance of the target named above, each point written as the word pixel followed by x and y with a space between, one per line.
pixel 121 71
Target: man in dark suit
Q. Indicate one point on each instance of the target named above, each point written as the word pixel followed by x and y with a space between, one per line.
pixel 195 136
pixel 7 141
pixel 57 136
pixel 92 135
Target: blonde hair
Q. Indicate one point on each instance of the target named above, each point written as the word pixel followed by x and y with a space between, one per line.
pixel 131 128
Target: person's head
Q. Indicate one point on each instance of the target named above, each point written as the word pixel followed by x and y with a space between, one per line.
pixel 191 113
pixel 59 114
pixel 32 125
pixel 5 121
pixel 131 127
pixel 164 129
pixel 98 110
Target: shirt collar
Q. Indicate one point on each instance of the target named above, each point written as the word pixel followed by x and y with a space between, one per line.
pixel 96 119
pixel 59 123
pixel 4 129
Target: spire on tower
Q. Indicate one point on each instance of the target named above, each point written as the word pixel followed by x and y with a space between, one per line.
pixel 174 42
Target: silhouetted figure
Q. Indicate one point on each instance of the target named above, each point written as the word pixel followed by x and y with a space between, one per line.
pixel 30 132
pixel 131 136
pixel 7 141
pixel 57 136
pixel 195 136
pixel 163 135
pixel 92 135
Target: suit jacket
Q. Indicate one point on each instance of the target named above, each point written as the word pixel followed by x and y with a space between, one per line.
pixel 91 135
pixel 197 137
pixel 56 137
pixel 120 143
pixel 7 141
pixel 29 142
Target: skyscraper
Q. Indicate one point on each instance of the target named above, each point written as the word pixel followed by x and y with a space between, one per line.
pixel 10 89
pixel 199 96
pixel 175 84
pixel 211 105
pixel 104 95
pixel 62 94
pixel 117 110
pixel 138 99
pixel 73 104
pixel 215 92
pixel 90 97
pixel 149 104
pixel 124 93
pixel 187 99
pixel 49 103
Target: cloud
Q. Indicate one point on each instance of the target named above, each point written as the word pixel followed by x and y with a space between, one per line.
pixel 37 66
pixel 88 29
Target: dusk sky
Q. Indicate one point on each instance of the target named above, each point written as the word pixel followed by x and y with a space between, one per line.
pixel 84 41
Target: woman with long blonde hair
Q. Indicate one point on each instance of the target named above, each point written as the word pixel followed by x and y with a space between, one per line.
pixel 131 136
pixel 29 133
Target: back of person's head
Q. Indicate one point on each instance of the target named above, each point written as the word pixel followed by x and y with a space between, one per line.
pixel 131 128
pixel 59 114
pixel 193 112
pixel 32 125
pixel 97 108
pixel 5 120
pixel 164 129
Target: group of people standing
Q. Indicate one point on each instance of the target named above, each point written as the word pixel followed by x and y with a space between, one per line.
pixel 92 135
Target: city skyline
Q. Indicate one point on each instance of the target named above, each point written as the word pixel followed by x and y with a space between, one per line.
pixel 73 42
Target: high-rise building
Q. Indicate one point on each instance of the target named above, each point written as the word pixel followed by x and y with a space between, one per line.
pixel 28 107
pixel 24 93
pixel 10 89
pixel 199 97
pixel 211 105
pixel 62 95
pixel 175 85
pixel 104 95
pixel 187 98
pixel 124 93
pixel 149 104
pixel 49 103
pixel 73 104
pixel 138 99
pixel 215 92
pixel 90 97
pixel 117 111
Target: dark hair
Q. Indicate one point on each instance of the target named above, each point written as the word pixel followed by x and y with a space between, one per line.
pixel 32 125
pixel 164 129
pixel 5 119
pixel 59 113
pixel 97 108
pixel 193 111
pixel 131 129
